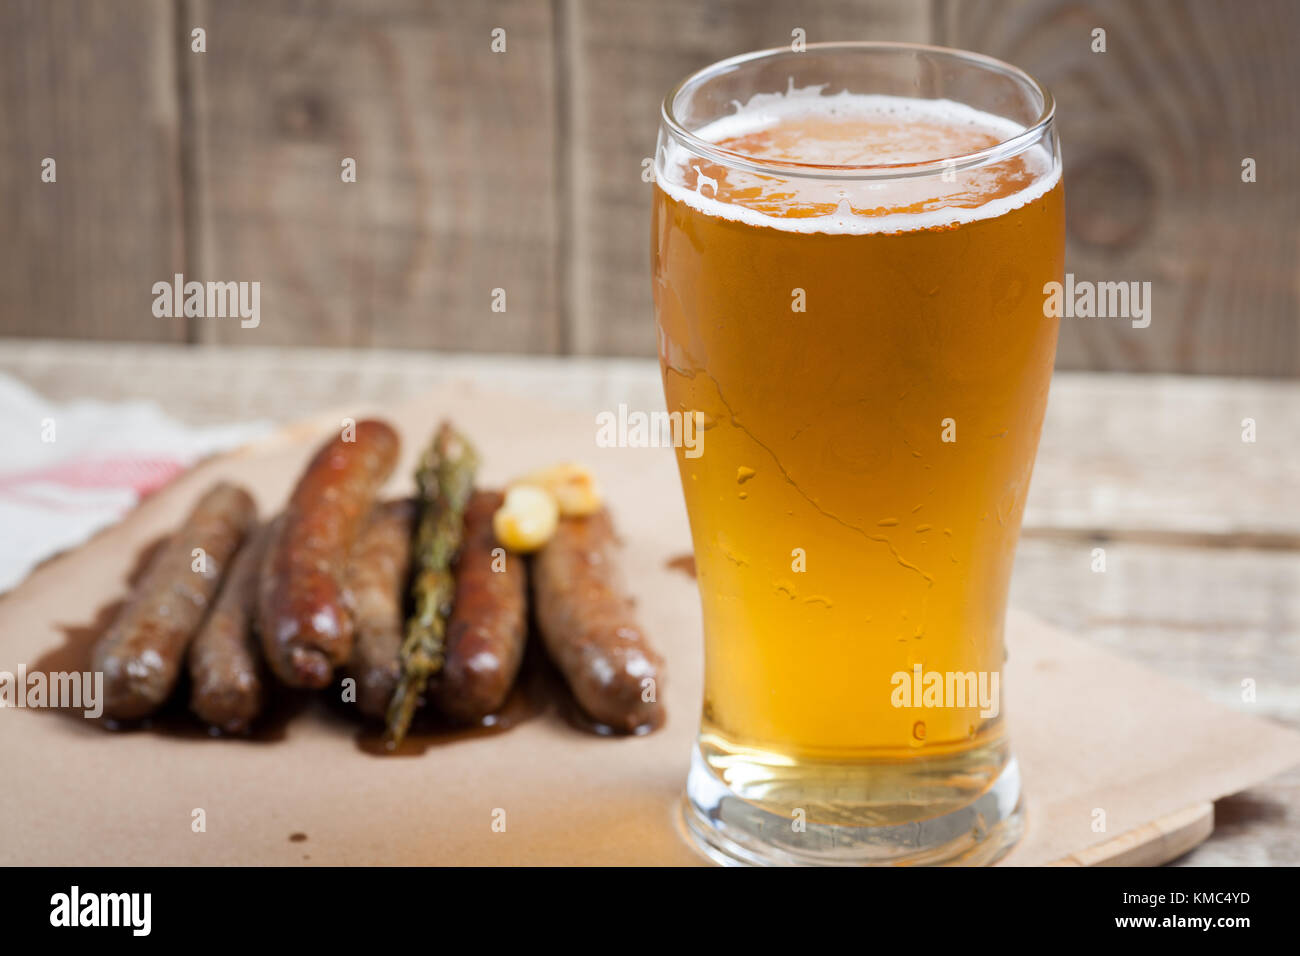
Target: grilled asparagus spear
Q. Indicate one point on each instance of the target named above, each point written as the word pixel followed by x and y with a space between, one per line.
pixel 445 479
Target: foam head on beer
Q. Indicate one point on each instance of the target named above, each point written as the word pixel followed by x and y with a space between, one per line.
pixel 847 131
pixel 849 287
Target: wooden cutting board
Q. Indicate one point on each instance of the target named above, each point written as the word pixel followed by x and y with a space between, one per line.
pixel 1095 734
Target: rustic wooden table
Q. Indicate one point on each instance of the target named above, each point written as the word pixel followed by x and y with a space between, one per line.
pixel 1200 528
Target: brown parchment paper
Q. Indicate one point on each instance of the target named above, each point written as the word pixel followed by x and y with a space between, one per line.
pixel 1092 731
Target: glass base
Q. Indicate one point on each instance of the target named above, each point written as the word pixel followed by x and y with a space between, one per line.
pixel 734 831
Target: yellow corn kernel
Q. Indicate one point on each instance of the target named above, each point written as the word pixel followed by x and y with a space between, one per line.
pixel 526 519
pixel 572 485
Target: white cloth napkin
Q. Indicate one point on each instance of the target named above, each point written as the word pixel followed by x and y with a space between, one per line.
pixel 68 470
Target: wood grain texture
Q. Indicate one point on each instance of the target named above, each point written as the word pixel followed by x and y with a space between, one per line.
pixel 1257 827
pixel 622 59
pixel 456 179
pixel 522 170
pixel 1209 617
pixel 1154 132
pixel 1162 457
pixel 1212 618
pixel 93 87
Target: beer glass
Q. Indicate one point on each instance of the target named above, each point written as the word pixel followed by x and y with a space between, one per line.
pixel 850 249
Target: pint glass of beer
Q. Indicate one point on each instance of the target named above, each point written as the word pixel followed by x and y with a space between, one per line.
pixel 850 247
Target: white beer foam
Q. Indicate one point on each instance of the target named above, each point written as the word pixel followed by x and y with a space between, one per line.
pixel 765 110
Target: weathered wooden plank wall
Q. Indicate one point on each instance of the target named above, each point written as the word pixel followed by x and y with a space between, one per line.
pixel 1154 131
pixel 622 59
pixel 92 87
pixel 455 193
pixel 521 170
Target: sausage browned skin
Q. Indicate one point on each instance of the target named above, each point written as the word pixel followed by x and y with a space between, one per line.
pixel 142 652
pixel 489 620
pixel 226 689
pixel 588 627
pixel 305 626
pixel 376 583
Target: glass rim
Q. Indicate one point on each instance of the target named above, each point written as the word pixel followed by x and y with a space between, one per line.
pixel 1005 149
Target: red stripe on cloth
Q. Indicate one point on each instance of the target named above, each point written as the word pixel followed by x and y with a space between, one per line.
pixel 142 475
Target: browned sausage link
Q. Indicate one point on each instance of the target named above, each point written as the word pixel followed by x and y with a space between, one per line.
pixel 226 688
pixel 376 584
pixel 488 625
pixel 142 652
pixel 588 627
pixel 305 626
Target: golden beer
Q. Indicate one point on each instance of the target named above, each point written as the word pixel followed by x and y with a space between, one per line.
pixel 870 359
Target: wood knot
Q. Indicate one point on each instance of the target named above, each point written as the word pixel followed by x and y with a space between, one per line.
pixel 1110 199
pixel 302 115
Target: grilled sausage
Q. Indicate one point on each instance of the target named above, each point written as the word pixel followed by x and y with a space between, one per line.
pixel 488 625
pixel 226 689
pixel 305 625
pixel 376 584
pixel 589 630
pixel 141 653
